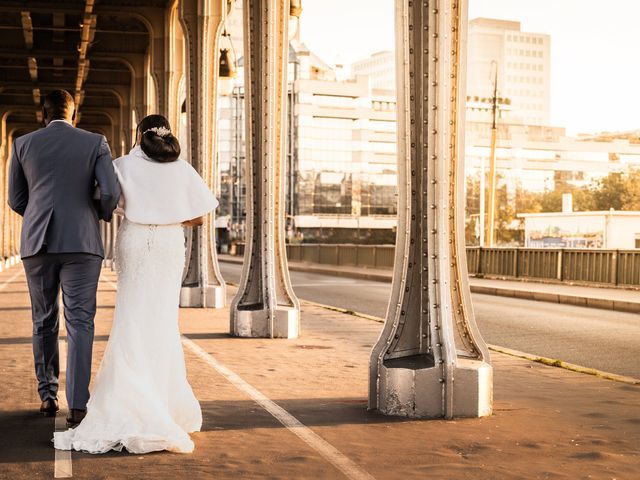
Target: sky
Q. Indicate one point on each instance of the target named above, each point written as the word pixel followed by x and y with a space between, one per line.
pixel 595 49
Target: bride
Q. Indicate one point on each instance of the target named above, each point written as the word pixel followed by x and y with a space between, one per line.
pixel 141 400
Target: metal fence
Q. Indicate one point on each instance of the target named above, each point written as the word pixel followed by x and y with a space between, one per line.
pixel 605 267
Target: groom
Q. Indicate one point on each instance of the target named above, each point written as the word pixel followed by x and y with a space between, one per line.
pixel 52 177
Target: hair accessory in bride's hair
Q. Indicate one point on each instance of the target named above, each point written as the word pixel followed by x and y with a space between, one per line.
pixel 160 131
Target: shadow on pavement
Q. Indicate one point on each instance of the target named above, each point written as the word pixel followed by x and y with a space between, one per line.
pixel 26 437
pixel 313 412
pixel 27 340
pixel 210 336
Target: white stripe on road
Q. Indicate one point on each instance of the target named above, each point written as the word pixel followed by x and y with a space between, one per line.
pixel 13 277
pixel 63 466
pixel 328 451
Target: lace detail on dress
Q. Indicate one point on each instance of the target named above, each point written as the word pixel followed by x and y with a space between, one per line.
pixel 141 400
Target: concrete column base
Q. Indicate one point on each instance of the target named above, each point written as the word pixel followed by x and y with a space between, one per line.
pixel 256 324
pixel 191 297
pixel 412 387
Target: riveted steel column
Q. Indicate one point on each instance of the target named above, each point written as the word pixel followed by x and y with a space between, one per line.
pixel 174 68
pixel 13 221
pixel 265 305
pixel 430 360
pixel 4 207
pixel 203 285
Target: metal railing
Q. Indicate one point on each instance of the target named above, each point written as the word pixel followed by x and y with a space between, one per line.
pixel 605 267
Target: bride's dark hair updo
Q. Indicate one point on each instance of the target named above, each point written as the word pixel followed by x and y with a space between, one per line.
pixel 157 141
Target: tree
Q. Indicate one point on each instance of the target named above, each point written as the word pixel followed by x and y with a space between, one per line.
pixel 583 200
pixel 528 202
pixel 618 191
pixel 608 192
pixel 631 195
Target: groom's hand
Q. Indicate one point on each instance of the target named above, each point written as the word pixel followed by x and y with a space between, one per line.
pixel 107 181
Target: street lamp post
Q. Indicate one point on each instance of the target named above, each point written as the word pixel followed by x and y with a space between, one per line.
pixel 490 226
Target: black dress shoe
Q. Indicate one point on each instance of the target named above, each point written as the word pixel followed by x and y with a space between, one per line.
pixel 49 407
pixel 75 417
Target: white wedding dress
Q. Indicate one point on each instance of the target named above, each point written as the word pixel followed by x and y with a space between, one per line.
pixel 141 400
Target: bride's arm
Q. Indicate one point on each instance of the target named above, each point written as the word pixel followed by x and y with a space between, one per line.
pixel 120 208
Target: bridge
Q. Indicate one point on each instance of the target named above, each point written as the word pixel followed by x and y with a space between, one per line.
pixel 309 391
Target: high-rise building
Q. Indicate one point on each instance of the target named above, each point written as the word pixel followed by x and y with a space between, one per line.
pixel 380 68
pixel 522 60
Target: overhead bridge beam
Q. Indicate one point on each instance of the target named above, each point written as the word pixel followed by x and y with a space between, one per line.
pixel 27 29
pixel 76 30
pixel 21 86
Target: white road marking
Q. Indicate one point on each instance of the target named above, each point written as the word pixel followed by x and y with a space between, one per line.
pixel 62 463
pixel 328 451
pixel 13 277
pixel 63 466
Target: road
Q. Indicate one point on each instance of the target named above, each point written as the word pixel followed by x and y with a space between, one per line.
pixel 601 339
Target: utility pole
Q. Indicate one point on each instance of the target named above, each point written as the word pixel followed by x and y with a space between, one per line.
pixel 490 227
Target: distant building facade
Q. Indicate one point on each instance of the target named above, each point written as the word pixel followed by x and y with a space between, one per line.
pixel 608 230
pixel 380 68
pixel 535 157
pixel 341 162
pixel 523 63
pixel 341 149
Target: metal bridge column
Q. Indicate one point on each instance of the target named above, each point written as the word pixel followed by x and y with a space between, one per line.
pixel 430 360
pixel 203 285
pixel 4 182
pixel 265 305
pixel 13 222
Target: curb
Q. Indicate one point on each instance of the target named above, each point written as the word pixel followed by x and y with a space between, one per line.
pixel 574 300
pixel 550 362
pixel 310 267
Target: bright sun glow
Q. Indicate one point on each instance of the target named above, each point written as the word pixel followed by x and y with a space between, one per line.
pixel 595 74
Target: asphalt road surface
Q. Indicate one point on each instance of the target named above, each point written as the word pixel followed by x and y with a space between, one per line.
pixel 601 339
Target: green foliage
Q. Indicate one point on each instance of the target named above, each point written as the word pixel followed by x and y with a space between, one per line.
pixel 620 191
pixel 631 196
pixel 551 201
pixel 607 192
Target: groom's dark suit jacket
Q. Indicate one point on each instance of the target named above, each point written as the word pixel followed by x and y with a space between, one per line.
pixel 52 178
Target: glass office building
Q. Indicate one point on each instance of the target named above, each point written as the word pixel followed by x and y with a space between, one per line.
pixel 341 163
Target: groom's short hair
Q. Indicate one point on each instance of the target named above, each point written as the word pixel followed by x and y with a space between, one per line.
pixel 58 104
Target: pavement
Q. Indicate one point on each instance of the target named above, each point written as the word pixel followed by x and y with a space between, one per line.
pixel 617 299
pixel 296 409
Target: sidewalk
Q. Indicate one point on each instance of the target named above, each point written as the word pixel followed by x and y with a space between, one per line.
pixel 547 422
pixel 592 297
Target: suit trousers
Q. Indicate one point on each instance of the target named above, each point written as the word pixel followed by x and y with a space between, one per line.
pixel 77 274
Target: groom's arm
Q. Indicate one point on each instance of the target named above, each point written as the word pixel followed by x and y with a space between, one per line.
pixel 107 181
pixel 18 187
